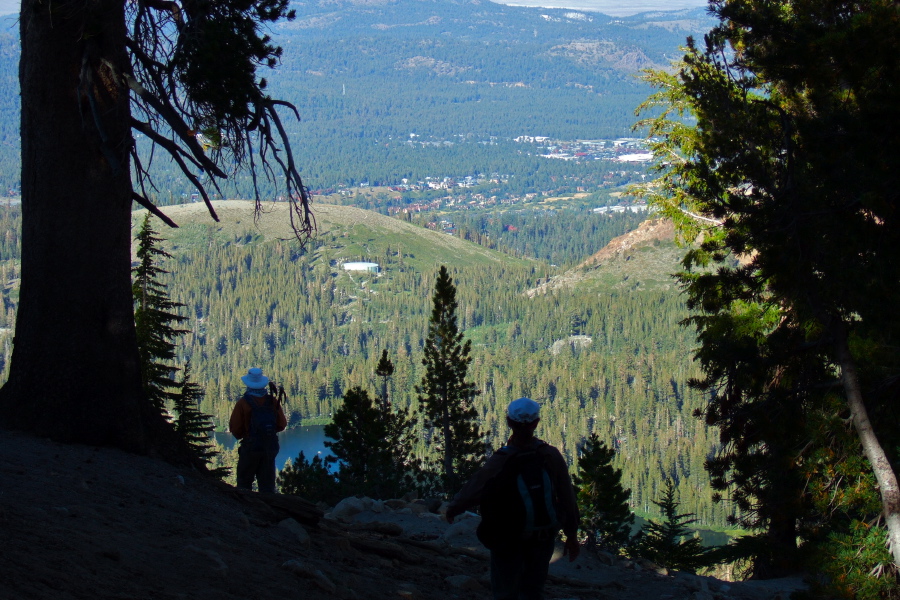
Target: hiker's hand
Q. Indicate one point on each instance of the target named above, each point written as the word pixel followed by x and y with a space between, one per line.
pixel 572 548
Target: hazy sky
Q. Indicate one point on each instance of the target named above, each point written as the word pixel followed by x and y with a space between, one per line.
pixel 617 8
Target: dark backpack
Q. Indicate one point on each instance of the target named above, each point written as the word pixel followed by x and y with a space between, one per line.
pixel 263 435
pixel 519 502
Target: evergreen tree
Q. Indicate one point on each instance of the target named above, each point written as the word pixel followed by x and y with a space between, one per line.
pixel 446 398
pixel 785 168
pixel 400 435
pixel 670 543
pixel 195 427
pixel 309 479
pixel 154 319
pixel 849 545
pixel 606 517
pixel 384 370
pixel 359 435
pixel 372 442
pixel 766 384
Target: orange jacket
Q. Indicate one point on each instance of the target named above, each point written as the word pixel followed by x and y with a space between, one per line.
pixel 239 424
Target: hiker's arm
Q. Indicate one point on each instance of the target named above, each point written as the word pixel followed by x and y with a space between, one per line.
pixel 238 422
pixel 280 419
pixel 470 494
pixel 569 503
pixel 566 495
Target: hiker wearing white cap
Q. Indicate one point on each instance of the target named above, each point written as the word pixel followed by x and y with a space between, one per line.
pixel 526 496
pixel 256 420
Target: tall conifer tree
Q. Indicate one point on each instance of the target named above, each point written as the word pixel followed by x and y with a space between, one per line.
pixel 155 319
pixel 786 167
pixel 446 398
pixel 186 78
pixel 399 426
pixel 384 370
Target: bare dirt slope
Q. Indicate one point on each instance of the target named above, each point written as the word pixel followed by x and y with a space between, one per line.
pixel 93 523
pixel 644 258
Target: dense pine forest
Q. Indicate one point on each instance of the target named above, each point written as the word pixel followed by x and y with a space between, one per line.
pixel 320 331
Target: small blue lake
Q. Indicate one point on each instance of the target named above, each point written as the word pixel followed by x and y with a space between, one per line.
pixel 310 439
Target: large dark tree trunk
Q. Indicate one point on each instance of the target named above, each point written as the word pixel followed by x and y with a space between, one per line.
pixel 74 372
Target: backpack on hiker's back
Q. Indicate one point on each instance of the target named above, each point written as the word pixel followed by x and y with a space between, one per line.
pixel 263 433
pixel 519 502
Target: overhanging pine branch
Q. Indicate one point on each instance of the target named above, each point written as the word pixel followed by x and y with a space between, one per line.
pixel 174 120
pixel 177 157
pixel 167 144
pixel 153 209
pixel 299 206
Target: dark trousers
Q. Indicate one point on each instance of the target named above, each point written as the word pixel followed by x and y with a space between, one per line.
pixel 255 465
pixel 518 573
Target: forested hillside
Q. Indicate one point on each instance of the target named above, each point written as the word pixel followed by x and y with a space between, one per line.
pixel 488 142
pixel 601 358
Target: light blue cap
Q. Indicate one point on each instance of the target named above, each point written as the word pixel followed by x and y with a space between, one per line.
pixel 524 410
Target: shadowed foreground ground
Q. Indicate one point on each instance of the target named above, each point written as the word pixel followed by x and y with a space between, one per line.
pixel 83 522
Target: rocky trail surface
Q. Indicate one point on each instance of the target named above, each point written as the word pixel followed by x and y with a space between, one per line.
pixel 78 522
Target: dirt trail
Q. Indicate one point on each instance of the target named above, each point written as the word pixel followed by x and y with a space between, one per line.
pixel 83 522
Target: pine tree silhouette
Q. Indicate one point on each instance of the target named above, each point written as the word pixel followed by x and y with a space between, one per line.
pixel 605 515
pixel 446 398
pixel 154 317
pixel 372 442
pixel 194 426
pixel 155 320
pixel 670 543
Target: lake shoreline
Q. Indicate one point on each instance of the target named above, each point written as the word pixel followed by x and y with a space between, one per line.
pixel 309 439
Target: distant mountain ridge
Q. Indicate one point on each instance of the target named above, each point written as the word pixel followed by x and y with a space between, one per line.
pixel 365 75
pixel 526 28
